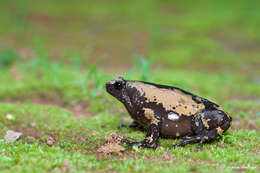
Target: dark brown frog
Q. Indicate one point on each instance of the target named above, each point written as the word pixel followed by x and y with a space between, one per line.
pixel 167 111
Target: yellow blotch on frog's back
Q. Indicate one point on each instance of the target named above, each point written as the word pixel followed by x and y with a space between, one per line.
pixel 172 100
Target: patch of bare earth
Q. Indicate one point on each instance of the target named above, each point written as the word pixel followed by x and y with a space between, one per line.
pixel 28 131
pixel 248 122
pixel 241 123
pixel 31 134
pixel 251 97
pixel 79 109
pixel 236 44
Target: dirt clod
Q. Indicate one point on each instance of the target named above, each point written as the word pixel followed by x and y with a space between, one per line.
pixel 112 144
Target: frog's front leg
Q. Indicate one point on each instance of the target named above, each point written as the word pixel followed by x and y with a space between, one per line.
pixel 152 134
pixel 149 142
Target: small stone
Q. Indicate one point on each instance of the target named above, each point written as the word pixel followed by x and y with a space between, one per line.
pixel 12 136
pixel 50 141
pixel 9 117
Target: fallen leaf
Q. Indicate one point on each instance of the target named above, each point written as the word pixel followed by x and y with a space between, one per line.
pixel 12 136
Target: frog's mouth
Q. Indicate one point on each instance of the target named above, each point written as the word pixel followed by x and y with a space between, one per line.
pixel 112 91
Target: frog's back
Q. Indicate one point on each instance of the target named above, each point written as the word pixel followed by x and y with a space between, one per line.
pixel 171 99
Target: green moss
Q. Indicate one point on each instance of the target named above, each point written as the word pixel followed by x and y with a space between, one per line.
pixel 73 150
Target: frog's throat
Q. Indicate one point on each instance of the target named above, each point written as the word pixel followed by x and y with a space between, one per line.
pixel 127 101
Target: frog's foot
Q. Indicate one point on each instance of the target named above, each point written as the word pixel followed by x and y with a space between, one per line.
pixel 205 136
pixel 190 139
pixel 186 137
pixel 144 144
pixel 150 141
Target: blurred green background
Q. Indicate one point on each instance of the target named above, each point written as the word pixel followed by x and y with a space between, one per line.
pixel 56 55
pixel 202 35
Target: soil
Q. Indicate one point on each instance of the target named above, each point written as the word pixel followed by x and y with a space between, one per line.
pixel 80 109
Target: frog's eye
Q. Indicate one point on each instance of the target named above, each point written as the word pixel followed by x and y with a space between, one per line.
pixel 118 85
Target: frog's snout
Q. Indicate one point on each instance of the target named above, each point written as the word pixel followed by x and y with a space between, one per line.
pixel 109 87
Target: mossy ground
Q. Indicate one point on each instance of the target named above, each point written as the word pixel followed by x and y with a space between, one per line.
pixel 52 89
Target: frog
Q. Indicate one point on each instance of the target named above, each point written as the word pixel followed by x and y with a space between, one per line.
pixel 169 112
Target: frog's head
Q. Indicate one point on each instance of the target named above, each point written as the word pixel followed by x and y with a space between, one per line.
pixel 117 88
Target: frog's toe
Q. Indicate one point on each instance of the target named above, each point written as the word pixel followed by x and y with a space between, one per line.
pixel 186 141
pixel 129 146
pixel 186 137
pixel 126 141
pixel 203 137
pixel 143 144
pixel 202 140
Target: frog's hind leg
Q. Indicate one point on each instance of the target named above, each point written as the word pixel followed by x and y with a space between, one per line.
pixel 207 126
pixel 201 138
